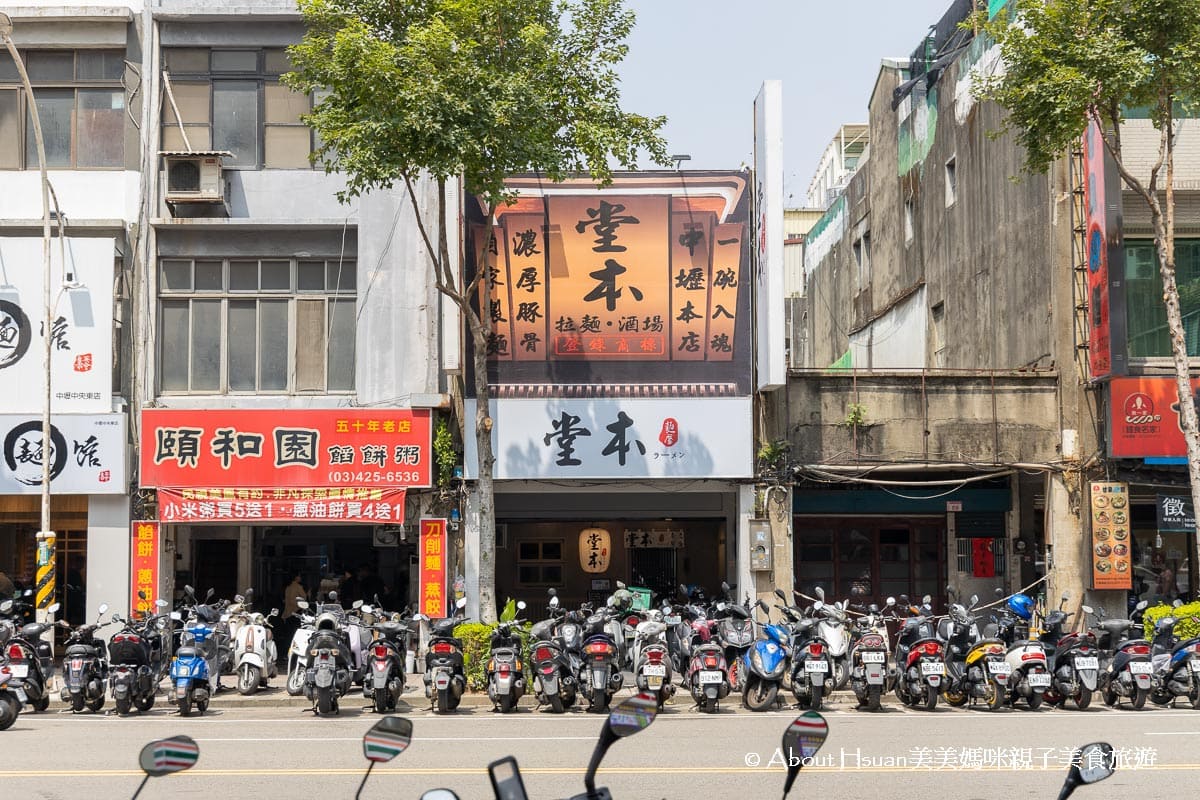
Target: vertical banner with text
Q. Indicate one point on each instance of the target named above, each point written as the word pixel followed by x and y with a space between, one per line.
pixel 143 572
pixel 1112 565
pixel 433 567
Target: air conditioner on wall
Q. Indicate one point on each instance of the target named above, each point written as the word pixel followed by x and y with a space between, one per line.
pixel 194 178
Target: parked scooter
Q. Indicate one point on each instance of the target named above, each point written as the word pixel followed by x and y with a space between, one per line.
pixel 388 652
pixel 195 670
pixel 833 627
pixel 919 657
pixel 30 660
pixel 600 674
pixel 870 676
pixel 505 672
pixel 736 632
pixel 12 695
pixel 976 667
pixel 84 667
pixel 766 664
pixel 1176 664
pixel 254 652
pixel 297 658
pixel 811 662
pixel 445 680
pixel 652 659
pixel 556 657
pixel 1127 672
pixel 1074 659
pixel 1030 671
pixel 132 680
pixel 330 668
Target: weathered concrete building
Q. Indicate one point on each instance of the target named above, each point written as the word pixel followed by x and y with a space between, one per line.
pixel 951 419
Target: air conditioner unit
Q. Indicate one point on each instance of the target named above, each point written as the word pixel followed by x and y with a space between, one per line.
pixel 194 177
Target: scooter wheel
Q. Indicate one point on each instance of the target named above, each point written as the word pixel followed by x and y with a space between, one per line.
pixel 1139 699
pixel 144 704
pixel 380 701
pixel 10 708
pixel 507 703
pixel 95 705
pixel 76 703
pixel 1035 701
pixel 124 705
pixel 1194 697
pixel 1083 698
pixel 42 703
pixel 295 682
pixel 556 704
pixel 873 698
pixel 185 706
pixel 249 677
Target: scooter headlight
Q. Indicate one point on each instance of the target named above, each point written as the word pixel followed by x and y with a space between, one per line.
pixel 756 660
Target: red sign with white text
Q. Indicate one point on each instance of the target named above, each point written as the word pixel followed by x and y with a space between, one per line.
pixel 1144 418
pixel 336 504
pixel 433 568
pixel 143 568
pixel 301 448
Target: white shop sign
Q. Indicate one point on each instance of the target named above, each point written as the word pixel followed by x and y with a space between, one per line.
pixel 81 330
pixel 618 438
pixel 87 454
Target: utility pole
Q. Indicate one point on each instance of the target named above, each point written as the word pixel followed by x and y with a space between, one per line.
pixel 46 540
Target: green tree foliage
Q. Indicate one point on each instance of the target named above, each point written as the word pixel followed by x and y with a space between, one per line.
pixel 1067 63
pixel 477 90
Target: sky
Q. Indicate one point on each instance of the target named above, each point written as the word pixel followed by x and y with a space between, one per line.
pixel 701 63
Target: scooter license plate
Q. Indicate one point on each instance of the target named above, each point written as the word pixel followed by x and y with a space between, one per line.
pixel 1141 668
pixel 1087 662
pixel 1039 680
pixel 442 681
pixel 181 691
pixel 672 620
pixel 19 670
pixel 715 676
pixel 654 682
pixel 873 658
pixel 656 670
pixel 324 678
pixel 933 668
pixel 20 693
pixel 816 666
pixel 1195 666
pixel 999 668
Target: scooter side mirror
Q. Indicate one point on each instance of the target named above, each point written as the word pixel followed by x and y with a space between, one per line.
pixel 224 618
pixel 161 603
pixel 999 592
pixel 629 717
pixel 187 588
pixel 356 604
pixel 1093 763
pixel 461 603
pixel 720 606
pixel 165 756
pixel 385 740
pixel 974 600
pixel 303 604
pixel 724 586
pixel 103 609
pixel 274 612
pixel 1142 606
pixel 874 609
pixel 891 601
pixel 1088 609
pixel 141 594
pixel 53 608
pixel 175 615
pixel 801 741
pixel 554 602
pixel 552 591
pixel 368 610
pixel 820 593
pixel 237 598
pixel 926 600
pixel 439 794
pixel 779 593
pixel 6 606
pixel 818 605
pixel 1177 603
pixel 521 605
pixel 904 599
pixel 210 593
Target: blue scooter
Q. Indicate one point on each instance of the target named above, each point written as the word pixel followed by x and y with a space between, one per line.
pixel 766 663
pixel 194 672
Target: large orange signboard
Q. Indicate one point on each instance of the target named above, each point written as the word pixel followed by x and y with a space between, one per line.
pixel 587 286
pixel 1144 418
pixel 433 567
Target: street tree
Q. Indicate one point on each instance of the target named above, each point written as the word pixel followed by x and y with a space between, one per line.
pixel 1068 63
pixel 470 90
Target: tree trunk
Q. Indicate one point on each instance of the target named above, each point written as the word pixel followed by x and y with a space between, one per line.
pixel 487 460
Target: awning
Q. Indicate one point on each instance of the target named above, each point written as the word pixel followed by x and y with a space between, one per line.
pixel 250 506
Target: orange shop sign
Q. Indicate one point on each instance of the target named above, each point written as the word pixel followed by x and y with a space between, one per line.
pixel 433 567
pixel 143 568
pixel 1144 418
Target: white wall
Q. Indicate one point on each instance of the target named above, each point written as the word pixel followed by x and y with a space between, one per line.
pixel 93 194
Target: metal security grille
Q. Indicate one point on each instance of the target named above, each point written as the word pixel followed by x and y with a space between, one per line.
pixel 964 552
pixel 653 567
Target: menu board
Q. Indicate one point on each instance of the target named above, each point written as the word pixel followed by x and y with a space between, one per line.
pixel 1112 567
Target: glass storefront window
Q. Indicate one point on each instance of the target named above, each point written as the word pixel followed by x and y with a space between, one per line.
pixel 1145 315
pixel 1160 571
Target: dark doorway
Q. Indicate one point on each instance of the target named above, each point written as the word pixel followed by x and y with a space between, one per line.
pixel 215 566
pixel 654 569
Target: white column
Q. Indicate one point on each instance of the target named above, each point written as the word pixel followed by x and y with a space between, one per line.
pixel 745 511
pixel 470 566
pixel 108 556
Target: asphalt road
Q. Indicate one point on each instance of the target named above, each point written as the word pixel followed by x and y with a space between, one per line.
pixel 249 751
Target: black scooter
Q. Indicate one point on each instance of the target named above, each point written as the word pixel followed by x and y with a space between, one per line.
pixel 505 672
pixel 85 670
pixel 31 664
pixel 445 679
pixel 132 679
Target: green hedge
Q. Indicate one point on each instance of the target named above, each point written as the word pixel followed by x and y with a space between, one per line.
pixel 1185 629
pixel 476 638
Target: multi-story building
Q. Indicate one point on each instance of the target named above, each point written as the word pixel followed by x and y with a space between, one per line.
pixel 967 386
pixel 276 356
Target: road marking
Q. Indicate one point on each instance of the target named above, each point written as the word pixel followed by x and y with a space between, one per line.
pixel 423 739
pixel 1172 733
pixel 542 771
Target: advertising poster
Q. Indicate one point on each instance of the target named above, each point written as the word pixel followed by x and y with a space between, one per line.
pixel 143 572
pixel 1144 419
pixel 1112 566
pixel 86 454
pixel 433 567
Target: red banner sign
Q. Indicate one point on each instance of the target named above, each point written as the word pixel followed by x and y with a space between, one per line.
pixel 983 558
pixel 304 448
pixel 333 505
pixel 1144 418
pixel 433 568
pixel 143 571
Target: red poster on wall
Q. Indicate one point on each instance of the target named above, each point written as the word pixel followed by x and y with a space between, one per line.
pixel 1144 420
pixel 143 571
pixel 983 558
pixel 433 567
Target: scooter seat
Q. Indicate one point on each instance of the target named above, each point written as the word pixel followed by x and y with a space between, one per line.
pixel 187 652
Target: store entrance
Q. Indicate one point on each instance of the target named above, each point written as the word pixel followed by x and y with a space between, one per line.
pixel 216 567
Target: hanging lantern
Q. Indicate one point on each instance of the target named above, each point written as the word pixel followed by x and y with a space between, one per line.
pixel 595 548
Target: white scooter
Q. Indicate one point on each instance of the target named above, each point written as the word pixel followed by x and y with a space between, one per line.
pixel 297 663
pixel 833 627
pixel 255 653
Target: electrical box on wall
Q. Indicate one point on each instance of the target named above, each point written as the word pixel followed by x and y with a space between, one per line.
pixel 761 545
